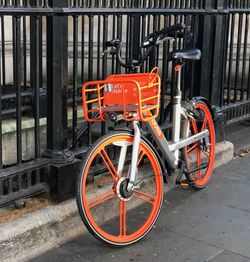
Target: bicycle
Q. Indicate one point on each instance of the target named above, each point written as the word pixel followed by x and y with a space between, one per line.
pixel 121 204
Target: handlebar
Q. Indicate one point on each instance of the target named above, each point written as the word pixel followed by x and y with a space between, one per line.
pixel 148 43
pixel 171 29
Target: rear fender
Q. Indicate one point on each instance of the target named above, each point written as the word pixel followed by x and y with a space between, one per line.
pixel 204 100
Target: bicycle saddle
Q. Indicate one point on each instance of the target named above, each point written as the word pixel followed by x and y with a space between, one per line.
pixel 190 54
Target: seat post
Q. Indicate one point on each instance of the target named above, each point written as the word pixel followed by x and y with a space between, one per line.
pixel 177 107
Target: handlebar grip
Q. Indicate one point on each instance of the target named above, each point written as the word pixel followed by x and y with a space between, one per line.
pixel 113 43
pixel 171 29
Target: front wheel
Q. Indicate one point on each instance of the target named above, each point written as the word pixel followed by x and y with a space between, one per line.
pixel 111 213
pixel 200 152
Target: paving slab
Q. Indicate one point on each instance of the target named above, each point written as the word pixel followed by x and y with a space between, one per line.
pixel 239 135
pixel 159 246
pixel 229 257
pixel 220 214
pixel 211 225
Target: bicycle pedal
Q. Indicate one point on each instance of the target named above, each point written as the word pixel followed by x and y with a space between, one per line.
pixel 186 183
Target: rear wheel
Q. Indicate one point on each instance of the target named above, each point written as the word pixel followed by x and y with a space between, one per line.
pixel 110 213
pixel 200 152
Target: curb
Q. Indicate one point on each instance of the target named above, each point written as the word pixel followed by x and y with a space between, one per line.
pixel 50 227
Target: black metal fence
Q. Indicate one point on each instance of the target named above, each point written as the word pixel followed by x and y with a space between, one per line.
pixel 50 48
pixel 236 85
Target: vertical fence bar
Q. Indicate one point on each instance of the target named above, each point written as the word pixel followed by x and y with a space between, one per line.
pixel 130 40
pixel 35 70
pixel 82 50
pixel 230 58
pixel 244 57
pixel 128 28
pixel 105 39
pixel 119 36
pixel 98 46
pixel 37 82
pixel 90 66
pixel 248 80
pixel 238 54
pixel 136 33
pixel 1 142
pixel 112 5
pixel 17 83
pixel 3 50
pixel 75 80
pixel 24 54
pixel 104 60
pixel 40 24
pixel 164 77
pixel 143 34
pixel 225 55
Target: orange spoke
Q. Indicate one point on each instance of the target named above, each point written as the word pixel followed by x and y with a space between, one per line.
pixel 144 197
pixel 141 154
pixel 123 226
pixel 195 129
pixel 192 148
pixel 101 198
pixel 204 124
pixel 207 154
pixel 108 163
pixel 198 163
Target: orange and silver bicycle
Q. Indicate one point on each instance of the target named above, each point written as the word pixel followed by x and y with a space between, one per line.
pixel 120 189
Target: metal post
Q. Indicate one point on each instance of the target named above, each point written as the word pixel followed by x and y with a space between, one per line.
pixel 204 42
pixel 218 69
pixel 220 44
pixel 63 166
pixel 57 83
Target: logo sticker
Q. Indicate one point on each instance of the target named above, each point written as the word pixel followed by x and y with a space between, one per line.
pixel 156 128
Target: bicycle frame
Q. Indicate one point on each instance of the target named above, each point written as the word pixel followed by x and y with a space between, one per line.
pixel 171 150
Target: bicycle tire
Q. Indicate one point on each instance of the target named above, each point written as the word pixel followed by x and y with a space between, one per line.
pixel 95 217
pixel 202 152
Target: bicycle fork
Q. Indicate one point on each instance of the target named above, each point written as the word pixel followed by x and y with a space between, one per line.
pixel 135 154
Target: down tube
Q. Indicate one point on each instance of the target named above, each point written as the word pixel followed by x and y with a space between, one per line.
pixel 162 142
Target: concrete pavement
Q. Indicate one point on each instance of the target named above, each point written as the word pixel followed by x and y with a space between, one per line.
pixel 208 225
pixel 29 236
pixel 239 135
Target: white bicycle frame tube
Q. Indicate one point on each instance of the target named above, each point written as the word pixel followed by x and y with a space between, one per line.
pixel 177 114
pixel 135 155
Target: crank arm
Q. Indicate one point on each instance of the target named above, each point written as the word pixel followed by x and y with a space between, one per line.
pixel 202 166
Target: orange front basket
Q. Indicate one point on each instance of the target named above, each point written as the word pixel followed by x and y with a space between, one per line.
pixel 136 96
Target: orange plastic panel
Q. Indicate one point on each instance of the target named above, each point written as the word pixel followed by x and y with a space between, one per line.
pixel 136 96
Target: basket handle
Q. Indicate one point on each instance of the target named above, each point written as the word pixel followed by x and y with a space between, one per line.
pixel 153 75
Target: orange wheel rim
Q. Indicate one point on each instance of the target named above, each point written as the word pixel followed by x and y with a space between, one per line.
pixel 110 195
pixel 197 152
